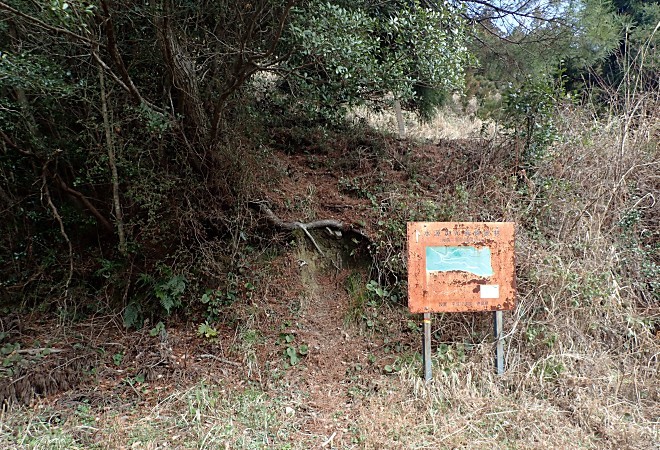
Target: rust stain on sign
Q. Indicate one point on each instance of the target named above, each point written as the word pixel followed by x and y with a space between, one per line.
pixel 460 266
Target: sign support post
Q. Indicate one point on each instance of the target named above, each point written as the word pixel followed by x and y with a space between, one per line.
pixel 427 347
pixel 499 342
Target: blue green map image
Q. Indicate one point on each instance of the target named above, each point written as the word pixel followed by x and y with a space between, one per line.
pixel 464 259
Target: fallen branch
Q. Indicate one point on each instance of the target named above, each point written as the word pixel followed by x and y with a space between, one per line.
pixel 38 351
pixel 219 359
pixel 305 227
pixel 309 235
pixel 329 440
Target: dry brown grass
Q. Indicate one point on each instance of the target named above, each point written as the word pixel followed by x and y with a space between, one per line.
pixel 451 122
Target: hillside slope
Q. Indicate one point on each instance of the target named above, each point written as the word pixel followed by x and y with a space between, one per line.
pixel 312 355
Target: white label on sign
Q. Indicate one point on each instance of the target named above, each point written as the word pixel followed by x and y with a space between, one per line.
pixel 490 291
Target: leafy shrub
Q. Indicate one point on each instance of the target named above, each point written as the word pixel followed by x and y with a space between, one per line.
pixel 529 116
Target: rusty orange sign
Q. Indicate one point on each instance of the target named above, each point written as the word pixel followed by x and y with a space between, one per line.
pixel 460 266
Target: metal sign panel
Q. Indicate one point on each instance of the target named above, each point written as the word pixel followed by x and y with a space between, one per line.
pixel 460 266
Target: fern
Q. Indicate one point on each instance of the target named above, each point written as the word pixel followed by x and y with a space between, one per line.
pixel 132 315
pixel 169 293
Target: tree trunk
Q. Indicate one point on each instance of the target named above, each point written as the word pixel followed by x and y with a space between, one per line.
pixel 119 221
pixel 181 67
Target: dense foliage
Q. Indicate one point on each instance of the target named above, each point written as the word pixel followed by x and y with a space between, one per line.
pixel 130 130
pixel 133 133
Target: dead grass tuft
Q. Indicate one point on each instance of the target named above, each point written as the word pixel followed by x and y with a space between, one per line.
pixel 450 123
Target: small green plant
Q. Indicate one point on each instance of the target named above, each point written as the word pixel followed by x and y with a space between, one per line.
pixel 550 369
pixel 354 187
pixel 413 326
pixel 132 314
pixel 450 357
pixel 217 300
pixel 292 353
pixel 207 331
pixel 394 347
pixel 366 301
pixel 10 357
pixel 158 329
pixel 536 333
pixel 409 359
pixel 168 290
pixel 358 297
pixel 214 300
pixel 117 358
pixel 84 412
pixel 376 291
pixel 133 381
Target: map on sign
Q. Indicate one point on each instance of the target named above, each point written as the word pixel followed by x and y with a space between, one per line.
pixel 466 259
pixel 460 266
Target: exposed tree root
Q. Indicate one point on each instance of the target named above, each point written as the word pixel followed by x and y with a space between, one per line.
pixel 329 224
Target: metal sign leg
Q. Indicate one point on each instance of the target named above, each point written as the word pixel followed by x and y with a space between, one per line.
pixel 499 342
pixel 427 347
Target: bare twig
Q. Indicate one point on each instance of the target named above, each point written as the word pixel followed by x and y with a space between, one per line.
pixel 329 440
pixel 219 359
pixel 56 214
pixel 37 351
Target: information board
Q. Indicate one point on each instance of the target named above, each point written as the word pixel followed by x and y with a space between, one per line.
pixel 460 266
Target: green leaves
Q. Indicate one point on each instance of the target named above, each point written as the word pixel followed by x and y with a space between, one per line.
pixel 33 73
pixel 529 114
pixel 292 353
pixel 169 292
pixel 132 314
pixel 72 14
pixel 207 331
pixel 358 53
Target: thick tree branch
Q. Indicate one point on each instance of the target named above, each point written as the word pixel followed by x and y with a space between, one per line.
pixel 244 67
pixel 116 56
pixel 105 223
pixel 305 227
pixel 291 226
